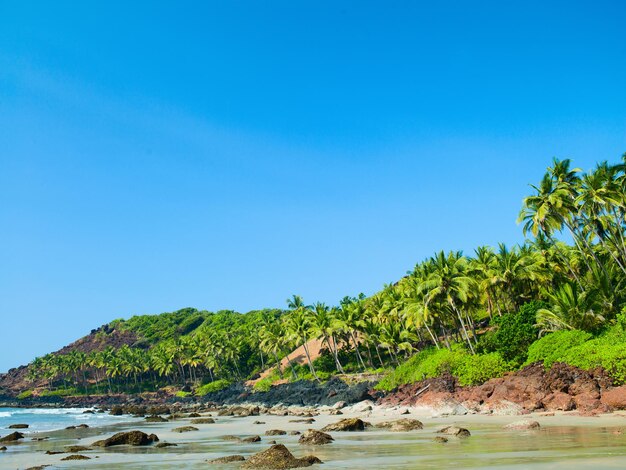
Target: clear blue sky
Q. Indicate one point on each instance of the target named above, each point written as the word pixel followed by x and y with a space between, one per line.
pixel 229 154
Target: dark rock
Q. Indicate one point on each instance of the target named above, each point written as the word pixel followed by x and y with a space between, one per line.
pixel 404 424
pixel 54 452
pixel 348 424
pixel 441 440
pixel 155 419
pixel 18 426
pixel 82 426
pixel 13 437
pixel 278 457
pixel 74 449
pixel 76 457
pixel 88 412
pixel 294 433
pixel 305 421
pixel 259 422
pixel 3 449
pixel 133 438
pixel 227 459
pixel 203 421
pixel 185 429
pixel 194 415
pixel 230 437
pixel 455 431
pixel 251 439
pixel 161 445
pixel 275 432
pixel 315 438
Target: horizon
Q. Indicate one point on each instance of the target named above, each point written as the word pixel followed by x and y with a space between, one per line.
pixel 227 157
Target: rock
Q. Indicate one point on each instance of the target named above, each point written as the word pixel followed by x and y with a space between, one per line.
pixel 54 452
pixel 363 406
pixel 38 467
pixel 13 437
pixel 75 449
pixel 315 438
pixel 305 421
pixel 275 432
pixel 259 422
pixel 162 445
pixel 18 426
pixel 203 421
pixel 294 433
pixel 82 426
pixel 132 438
pixel 116 411
pixel 406 412
pixel 227 459
pixel 155 419
pixel 348 424
pixel 523 424
pixel 76 457
pixel 89 412
pixel 441 440
pixel 278 457
pixel 455 431
pixel 559 401
pixel 194 415
pixel 70 427
pixel 339 405
pixel 230 437
pixel 38 439
pixel 3 449
pixel 615 398
pixel 335 412
pixel 185 429
pixel 251 439
pixel 404 424
pixel 158 410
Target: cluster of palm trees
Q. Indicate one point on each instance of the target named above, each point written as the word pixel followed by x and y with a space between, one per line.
pixel 574 260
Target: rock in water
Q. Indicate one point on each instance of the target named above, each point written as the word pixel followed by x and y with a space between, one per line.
pixel 131 438
pixel 185 429
pixel 76 457
pixel 315 438
pixel 278 457
pixel 524 424
pixel 251 439
pixel 348 424
pixel 275 432
pixel 18 426
pixel 162 445
pixel 227 459
pixel 402 425
pixel 203 421
pixel 75 449
pixel 13 437
pixel 155 419
pixel 455 431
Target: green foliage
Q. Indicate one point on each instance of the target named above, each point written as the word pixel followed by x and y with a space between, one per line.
pixel 553 347
pixel 474 370
pixel 265 384
pixel 62 392
pixel 514 334
pixel 212 387
pixel 182 394
pixel 25 394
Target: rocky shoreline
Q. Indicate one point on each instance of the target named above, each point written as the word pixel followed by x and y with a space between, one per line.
pixel 531 389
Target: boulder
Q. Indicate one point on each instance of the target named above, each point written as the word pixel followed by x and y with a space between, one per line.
pixel 348 424
pixel 278 457
pixel 455 431
pixel 404 424
pixel 194 415
pixel 13 437
pixel 3 449
pixel 18 426
pixel 524 424
pixel 294 433
pixel 75 449
pixel 162 445
pixel 203 421
pixel 76 457
pixel 559 401
pixel 227 459
pixel 315 438
pixel 132 438
pixel 615 398
pixel 275 432
pixel 251 439
pixel 185 429
pixel 155 419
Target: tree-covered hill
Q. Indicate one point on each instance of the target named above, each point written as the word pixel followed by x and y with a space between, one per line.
pixel 557 297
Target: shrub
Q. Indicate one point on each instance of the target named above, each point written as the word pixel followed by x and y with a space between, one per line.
pixel 473 370
pixel 181 394
pixel 514 334
pixel 265 384
pixel 212 387
pixel 554 346
pixel 25 394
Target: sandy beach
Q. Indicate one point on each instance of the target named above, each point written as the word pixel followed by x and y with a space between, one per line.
pixel 564 440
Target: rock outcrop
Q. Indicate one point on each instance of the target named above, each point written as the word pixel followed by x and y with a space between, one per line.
pixel 348 424
pixel 131 438
pixel 278 457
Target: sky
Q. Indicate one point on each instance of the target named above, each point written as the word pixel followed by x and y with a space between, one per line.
pixel 226 155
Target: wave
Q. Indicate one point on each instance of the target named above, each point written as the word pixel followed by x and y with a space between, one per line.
pixel 5 414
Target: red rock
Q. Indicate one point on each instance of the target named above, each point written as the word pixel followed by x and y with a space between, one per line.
pixel 615 398
pixel 559 401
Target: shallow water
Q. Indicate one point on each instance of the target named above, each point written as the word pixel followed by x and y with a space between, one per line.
pixel 561 443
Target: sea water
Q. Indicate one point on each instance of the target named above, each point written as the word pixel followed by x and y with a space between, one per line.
pixel 50 419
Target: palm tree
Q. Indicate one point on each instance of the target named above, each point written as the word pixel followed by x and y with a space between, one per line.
pixel 324 324
pixel 299 326
pixel 570 309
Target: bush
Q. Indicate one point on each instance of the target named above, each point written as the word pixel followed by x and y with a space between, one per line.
pixel 25 394
pixel 514 334
pixel 473 370
pixel 181 394
pixel 554 346
pixel 212 387
pixel 265 384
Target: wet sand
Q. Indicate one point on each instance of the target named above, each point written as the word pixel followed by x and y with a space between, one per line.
pixel 565 441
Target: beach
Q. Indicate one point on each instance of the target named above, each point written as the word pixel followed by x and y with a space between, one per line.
pixel 564 440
